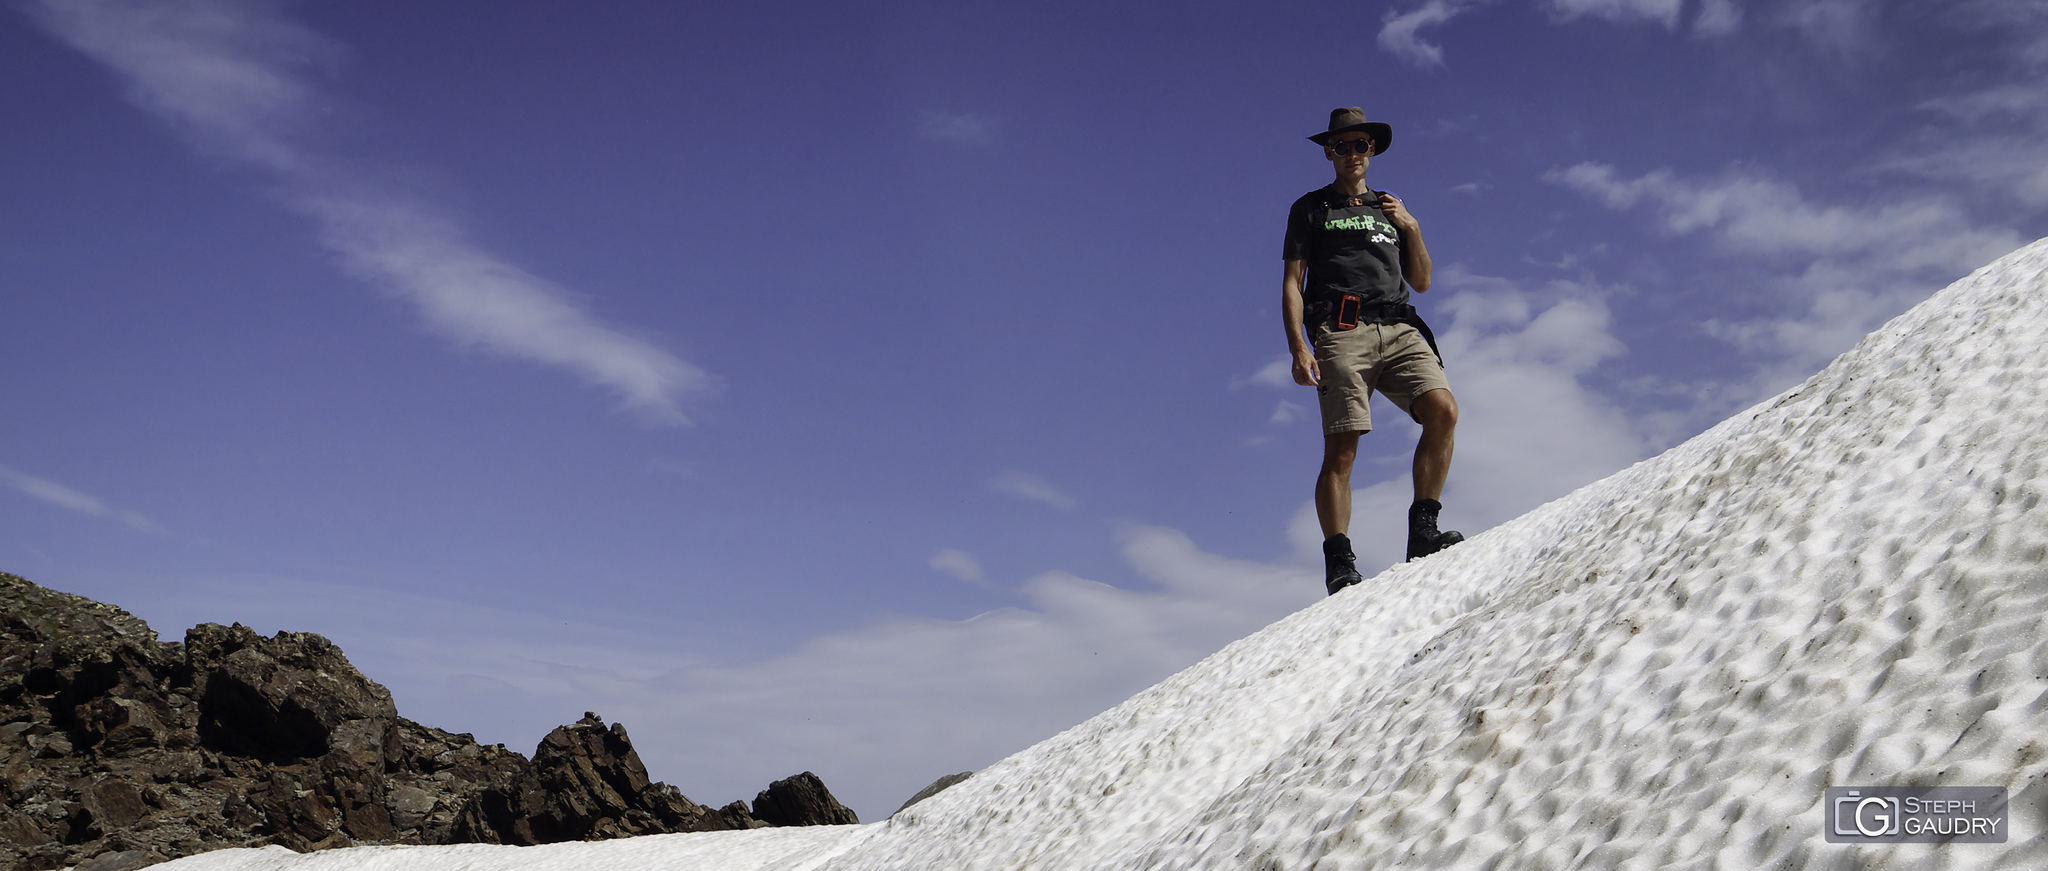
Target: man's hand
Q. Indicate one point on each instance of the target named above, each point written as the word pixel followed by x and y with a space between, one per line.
pixel 1397 212
pixel 1305 372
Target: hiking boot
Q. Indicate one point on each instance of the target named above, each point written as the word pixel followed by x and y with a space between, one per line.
pixel 1423 537
pixel 1340 567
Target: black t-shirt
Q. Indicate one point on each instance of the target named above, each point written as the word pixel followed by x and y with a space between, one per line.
pixel 1349 248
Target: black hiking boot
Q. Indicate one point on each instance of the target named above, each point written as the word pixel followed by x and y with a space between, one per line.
pixel 1340 567
pixel 1423 539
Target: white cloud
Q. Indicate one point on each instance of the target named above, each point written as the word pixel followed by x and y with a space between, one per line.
pixel 479 300
pixel 1400 32
pixel 1840 270
pixel 1398 35
pixel 966 128
pixel 2015 166
pixel 1278 372
pixel 959 564
pixel 1759 215
pixel 1717 18
pixel 65 497
pixel 224 74
pixel 1663 12
pixel 1286 413
pixel 2027 100
pixel 2000 146
pixel 1025 485
pixel 1841 27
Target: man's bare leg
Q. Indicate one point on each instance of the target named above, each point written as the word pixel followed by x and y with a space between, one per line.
pixel 1437 411
pixel 1333 484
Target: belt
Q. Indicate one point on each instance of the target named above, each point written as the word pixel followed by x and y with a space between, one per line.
pixel 1348 311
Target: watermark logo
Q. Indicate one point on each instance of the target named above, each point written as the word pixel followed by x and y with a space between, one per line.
pixel 1915 815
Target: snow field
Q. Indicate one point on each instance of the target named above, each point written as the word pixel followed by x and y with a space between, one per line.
pixel 753 848
pixel 1846 585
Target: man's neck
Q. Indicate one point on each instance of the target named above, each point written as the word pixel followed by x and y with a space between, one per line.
pixel 1351 187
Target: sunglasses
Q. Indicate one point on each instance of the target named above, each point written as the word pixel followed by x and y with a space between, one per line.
pixel 1348 146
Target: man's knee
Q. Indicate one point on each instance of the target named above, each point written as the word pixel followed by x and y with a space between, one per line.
pixel 1437 409
pixel 1339 450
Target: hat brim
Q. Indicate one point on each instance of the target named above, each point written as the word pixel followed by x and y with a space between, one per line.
pixel 1382 135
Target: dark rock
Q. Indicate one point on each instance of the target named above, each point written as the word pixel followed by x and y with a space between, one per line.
pixel 802 800
pixel 119 751
pixel 284 699
pixel 586 783
pixel 936 787
pixel 115 804
pixel 733 816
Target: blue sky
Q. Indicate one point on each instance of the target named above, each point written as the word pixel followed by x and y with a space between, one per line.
pixel 876 389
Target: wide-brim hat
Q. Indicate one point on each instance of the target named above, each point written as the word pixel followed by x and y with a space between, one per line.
pixel 1353 118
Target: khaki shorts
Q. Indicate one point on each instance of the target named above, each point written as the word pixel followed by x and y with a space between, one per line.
pixel 1390 358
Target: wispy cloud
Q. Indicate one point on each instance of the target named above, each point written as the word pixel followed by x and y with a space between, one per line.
pixel 227 75
pixel 1278 372
pixel 1995 138
pixel 65 497
pixel 1717 18
pixel 1842 28
pixel 1400 31
pixel 1664 12
pixel 959 564
pixel 1761 215
pixel 1025 485
pixel 2010 165
pixel 1841 270
pixel 966 128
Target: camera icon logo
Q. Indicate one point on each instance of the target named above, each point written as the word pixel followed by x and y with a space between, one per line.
pixel 1869 816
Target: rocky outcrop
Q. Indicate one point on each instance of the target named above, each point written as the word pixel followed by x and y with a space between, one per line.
pixel 118 750
pixel 802 800
pixel 586 783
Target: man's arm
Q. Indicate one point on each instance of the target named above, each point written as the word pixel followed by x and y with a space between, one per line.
pixel 1415 265
pixel 1305 373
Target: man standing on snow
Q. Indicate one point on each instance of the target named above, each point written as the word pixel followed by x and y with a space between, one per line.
pixel 1352 253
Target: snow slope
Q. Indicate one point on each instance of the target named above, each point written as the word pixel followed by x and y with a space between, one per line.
pixel 1846 585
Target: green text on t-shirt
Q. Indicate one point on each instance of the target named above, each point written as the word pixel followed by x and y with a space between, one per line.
pixel 1358 222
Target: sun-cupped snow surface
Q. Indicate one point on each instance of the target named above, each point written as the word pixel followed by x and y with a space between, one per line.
pixel 1844 586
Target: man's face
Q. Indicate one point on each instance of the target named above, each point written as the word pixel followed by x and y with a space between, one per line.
pixel 1356 151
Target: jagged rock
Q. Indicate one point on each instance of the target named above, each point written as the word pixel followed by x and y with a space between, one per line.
pixel 286 698
pixel 802 800
pixel 734 816
pixel 586 783
pixel 934 788
pixel 118 751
